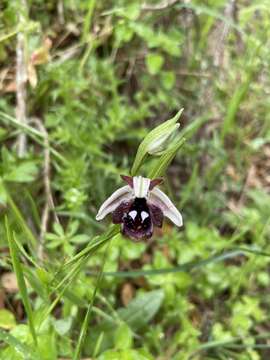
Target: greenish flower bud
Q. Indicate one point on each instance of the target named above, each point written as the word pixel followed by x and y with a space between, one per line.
pixel 160 142
pixel 156 141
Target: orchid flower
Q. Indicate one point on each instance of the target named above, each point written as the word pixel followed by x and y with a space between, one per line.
pixel 139 206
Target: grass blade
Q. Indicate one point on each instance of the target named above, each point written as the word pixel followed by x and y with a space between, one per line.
pixel 68 279
pixel 83 331
pixel 25 351
pixel 35 134
pixel 20 279
pixel 232 344
pixel 79 262
pixel 189 266
pixel 17 214
pixel 233 106
pixel 95 245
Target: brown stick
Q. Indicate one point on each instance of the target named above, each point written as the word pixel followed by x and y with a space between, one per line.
pixel 60 11
pixel 161 6
pixel 49 203
pixel 224 32
pixel 21 79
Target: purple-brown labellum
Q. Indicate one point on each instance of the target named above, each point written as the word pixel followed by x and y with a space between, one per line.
pixel 139 206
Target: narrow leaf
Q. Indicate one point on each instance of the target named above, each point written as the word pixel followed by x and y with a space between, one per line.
pixel 20 279
pixel 75 266
pixel 189 266
pixel 17 214
pixel 25 351
pixel 85 324
pixel 165 160
pixel 95 245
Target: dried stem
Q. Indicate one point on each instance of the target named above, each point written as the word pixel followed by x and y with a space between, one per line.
pixel 224 32
pixel 21 79
pixel 60 11
pixel 160 6
pixel 49 203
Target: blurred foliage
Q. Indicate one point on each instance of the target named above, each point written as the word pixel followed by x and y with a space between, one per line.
pixel 101 74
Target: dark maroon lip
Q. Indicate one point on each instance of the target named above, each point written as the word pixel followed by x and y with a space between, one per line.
pixel 138 218
pixel 136 235
pixel 137 221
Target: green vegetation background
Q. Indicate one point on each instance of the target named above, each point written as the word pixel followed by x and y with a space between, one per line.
pixel 100 75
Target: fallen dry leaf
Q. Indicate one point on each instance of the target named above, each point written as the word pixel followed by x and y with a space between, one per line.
pixel 9 282
pixel 127 293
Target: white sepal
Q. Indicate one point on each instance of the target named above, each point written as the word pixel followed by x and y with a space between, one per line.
pixel 120 195
pixel 141 186
pixel 159 199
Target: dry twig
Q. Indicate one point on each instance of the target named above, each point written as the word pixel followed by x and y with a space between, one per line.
pixel 49 203
pixel 229 13
pixel 60 11
pixel 161 6
pixel 21 79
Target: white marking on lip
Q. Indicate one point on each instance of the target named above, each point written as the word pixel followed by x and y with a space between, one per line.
pixel 144 215
pixel 132 214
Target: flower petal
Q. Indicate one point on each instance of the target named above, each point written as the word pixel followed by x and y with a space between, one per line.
pixel 155 182
pixel 120 211
pixel 156 215
pixel 122 194
pixel 128 180
pixel 159 199
pixel 141 186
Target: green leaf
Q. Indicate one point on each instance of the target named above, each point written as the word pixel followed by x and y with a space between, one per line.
pixel 139 312
pixel 20 278
pixel 58 229
pixel 194 126
pixel 166 159
pixel 7 319
pixel 128 354
pixel 94 245
pixel 142 309
pixel 170 43
pixel 167 79
pixel 131 11
pixel 123 338
pixel 168 155
pixel 79 239
pixel 85 324
pixel 25 351
pixel 62 326
pixel 188 266
pixel 88 19
pixel 25 172
pixel 239 94
pixel 47 346
pixel 75 265
pixel 83 332
pixel 3 194
pixel 18 216
pixel 32 132
pixel 154 63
